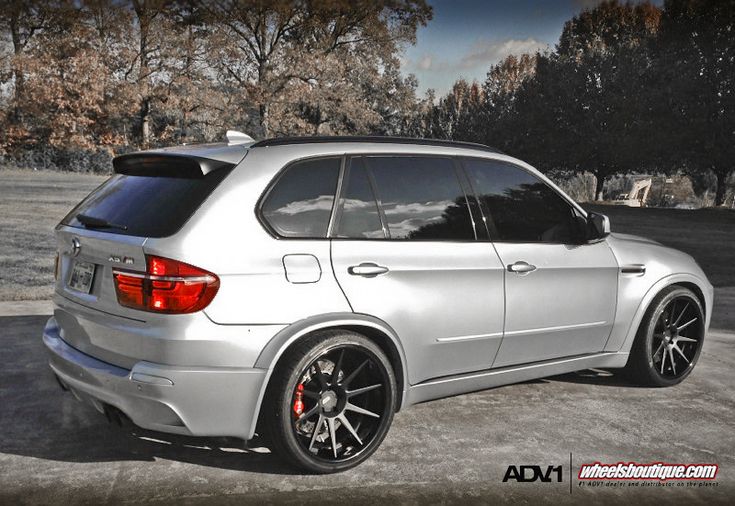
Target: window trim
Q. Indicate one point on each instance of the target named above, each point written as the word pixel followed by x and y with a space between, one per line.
pixel 484 219
pixel 487 215
pixel 274 182
pixel 458 174
pixel 339 201
pixel 475 209
pixel 376 194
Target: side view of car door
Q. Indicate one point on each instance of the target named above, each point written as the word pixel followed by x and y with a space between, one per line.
pixel 404 250
pixel 560 290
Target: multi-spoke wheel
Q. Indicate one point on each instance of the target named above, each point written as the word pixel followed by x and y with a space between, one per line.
pixel 331 402
pixel 669 339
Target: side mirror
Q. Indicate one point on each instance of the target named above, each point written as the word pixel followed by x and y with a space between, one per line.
pixel 598 225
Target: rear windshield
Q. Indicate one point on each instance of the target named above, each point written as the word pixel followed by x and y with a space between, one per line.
pixel 145 206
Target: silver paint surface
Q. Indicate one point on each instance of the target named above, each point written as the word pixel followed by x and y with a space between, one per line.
pixel 455 317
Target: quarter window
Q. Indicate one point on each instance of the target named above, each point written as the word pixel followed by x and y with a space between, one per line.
pixel 521 207
pixel 300 203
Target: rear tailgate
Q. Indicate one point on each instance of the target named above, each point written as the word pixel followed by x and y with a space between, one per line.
pixel 154 196
pixel 102 252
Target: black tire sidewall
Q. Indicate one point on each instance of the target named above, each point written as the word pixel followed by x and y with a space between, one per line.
pixel 295 364
pixel 651 374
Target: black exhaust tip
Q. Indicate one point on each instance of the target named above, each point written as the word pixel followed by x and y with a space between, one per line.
pixel 114 415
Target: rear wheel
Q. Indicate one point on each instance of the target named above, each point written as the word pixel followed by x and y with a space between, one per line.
pixel 669 340
pixel 331 402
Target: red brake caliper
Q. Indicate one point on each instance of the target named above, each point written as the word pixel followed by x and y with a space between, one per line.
pixel 298 402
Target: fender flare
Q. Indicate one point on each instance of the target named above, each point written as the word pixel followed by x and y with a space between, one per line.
pixel 655 289
pixel 278 345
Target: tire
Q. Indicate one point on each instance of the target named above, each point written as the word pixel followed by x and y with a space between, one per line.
pixel 348 415
pixel 674 319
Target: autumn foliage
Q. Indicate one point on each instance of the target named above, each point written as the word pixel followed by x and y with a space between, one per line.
pixel 629 87
pixel 88 78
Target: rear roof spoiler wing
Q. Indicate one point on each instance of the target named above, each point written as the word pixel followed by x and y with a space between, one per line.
pixel 163 164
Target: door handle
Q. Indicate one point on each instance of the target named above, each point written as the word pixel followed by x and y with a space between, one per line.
pixel 521 267
pixel 367 269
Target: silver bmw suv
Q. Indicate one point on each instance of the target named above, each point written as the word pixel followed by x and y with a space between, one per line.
pixel 306 289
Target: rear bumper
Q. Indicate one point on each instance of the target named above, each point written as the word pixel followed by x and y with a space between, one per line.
pixel 182 400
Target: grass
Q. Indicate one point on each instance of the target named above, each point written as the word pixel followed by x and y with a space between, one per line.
pixel 31 204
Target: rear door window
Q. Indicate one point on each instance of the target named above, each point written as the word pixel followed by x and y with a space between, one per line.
pixel 146 206
pixel 299 205
pixel 420 198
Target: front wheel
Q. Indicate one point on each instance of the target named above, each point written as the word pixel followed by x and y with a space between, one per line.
pixel 669 340
pixel 331 402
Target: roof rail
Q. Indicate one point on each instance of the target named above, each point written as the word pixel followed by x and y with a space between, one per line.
pixel 283 141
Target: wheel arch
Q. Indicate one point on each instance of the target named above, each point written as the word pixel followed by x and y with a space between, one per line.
pixel 701 288
pixel 373 328
pixel 697 291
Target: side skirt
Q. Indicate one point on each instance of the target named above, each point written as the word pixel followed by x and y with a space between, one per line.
pixel 482 380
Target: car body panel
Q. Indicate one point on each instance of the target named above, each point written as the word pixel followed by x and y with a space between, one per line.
pixel 200 401
pixel 186 340
pixel 102 249
pixel 663 266
pixel 445 299
pixel 491 378
pixel 566 306
pixel 442 310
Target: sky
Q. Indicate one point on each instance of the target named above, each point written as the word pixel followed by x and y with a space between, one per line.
pixel 466 37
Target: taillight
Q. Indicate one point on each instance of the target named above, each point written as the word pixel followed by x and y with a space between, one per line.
pixel 167 286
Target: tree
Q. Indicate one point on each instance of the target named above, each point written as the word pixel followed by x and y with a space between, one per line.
pixel 696 70
pixel 23 20
pixel 282 51
pixel 148 59
pixel 498 123
pixel 62 94
pixel 585 98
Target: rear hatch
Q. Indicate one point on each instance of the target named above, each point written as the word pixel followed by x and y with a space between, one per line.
pixel 151 195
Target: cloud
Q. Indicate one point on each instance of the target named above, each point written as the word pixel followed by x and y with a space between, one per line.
pixel 488 53
pixel 425 62
pixel 481 55
pixel 321 203
pixel 423 209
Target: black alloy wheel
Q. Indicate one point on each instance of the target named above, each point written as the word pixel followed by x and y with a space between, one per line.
pixel 669 340
pixel 332 403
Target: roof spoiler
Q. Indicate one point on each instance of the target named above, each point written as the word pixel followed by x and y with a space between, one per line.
pixel 166 165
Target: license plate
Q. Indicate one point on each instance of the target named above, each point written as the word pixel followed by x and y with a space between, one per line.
pixel 81 277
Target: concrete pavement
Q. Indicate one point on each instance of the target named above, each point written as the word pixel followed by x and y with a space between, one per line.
pixel 455 450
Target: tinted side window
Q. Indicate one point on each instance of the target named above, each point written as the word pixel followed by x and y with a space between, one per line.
pixel 300 203
pixel 522 208
pixel 421 198
pixel 360 217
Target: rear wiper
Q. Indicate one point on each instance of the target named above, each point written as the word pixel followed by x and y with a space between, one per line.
pixel 92 222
